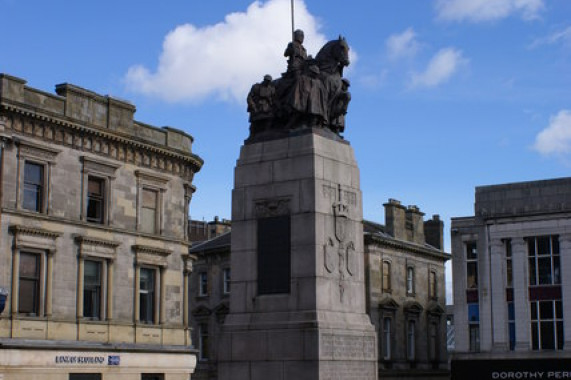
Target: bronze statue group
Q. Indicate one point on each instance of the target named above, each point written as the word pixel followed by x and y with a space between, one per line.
pixel 312 93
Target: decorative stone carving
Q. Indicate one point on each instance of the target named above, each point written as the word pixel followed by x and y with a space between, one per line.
pixel 148 255
pixel 272 207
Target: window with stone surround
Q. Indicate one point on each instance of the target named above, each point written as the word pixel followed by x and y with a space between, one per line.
pixel 433 341
pixel 203 341
pixel 152 376
pixel 29 283
pixel 150 276
pixel 203 283
pixel 410 285
pixel 147 304
pixel 387 338
pixel 98 176
pixel 34 165
pixel 226 280
pixel 95 287
pixel 511 325
pixel 411 340
pixel 92 287
pixel 543 258
pixel 34 187
pixel 151 191
pixel 32 266
pixel 432 285
pixel 386 274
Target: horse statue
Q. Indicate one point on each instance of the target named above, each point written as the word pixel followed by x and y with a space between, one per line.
pixel 312 93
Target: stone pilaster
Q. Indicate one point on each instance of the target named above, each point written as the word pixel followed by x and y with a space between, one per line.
pixel 498 292
pixel 521 295
pixel 564 254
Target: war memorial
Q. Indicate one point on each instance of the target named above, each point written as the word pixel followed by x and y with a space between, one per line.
pixel 297 306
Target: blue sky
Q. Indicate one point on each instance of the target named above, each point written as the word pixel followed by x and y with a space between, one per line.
pixel 446 94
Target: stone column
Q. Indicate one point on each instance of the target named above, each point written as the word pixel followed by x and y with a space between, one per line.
pixel 498 293
pixel 79 311
pixel 104 296
pixel 564 252
pixel 185 292
pixel 161 316
pixel 49 284
pixel 137 291
pixel 521 295
pixel 110 267
pixel 15 281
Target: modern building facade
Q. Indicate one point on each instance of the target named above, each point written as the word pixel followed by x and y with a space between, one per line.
pixel 410 326
pixel 93 239
pixel 512 301
pixel 406 293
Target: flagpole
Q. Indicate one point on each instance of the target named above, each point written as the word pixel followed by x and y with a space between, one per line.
pixel 292 21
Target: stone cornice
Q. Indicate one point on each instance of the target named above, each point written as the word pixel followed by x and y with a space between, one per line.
pixel 89 138
pixel 405 246
pixel 31 231
pixel 152 250
pixel 94 241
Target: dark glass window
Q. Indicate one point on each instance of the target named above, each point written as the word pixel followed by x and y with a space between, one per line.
pixel 471 265
pixel 33 187
pixel 544 263
pixel 274 255
pixel 152 376
pixel 511 324
pixel 147 295
pixel 509 265
pixel 546 325
pixel 29 285
pixel 387 337
pixel 203 341
pixel 84 376
pixel 226 285
pixel 95 199
pixel 203 285
pixel 92 289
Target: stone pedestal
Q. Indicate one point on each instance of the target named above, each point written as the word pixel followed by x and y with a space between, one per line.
pixel 297 305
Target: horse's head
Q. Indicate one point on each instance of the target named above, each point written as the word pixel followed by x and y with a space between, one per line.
pixel 333 56
pixel 342 51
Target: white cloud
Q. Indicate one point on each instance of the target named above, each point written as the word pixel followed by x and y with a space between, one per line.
pixel 556 137
pixel 402 45
pixel 441 67
pixel 487 10
pixel 562 36
pixel 225 59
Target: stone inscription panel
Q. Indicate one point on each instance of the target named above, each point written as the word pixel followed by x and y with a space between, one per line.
pixel 347 347
pixel 274 255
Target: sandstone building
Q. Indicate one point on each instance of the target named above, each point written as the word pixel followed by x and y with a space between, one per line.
pixel 93 239
pixel 512 301
pixel 406 292
pixel 410 325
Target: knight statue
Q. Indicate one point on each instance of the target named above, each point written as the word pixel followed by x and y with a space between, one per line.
pixel 312 93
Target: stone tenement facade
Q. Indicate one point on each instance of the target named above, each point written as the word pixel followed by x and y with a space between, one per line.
pixel 390 250
pixel 512 301
pixel 93 239
pixel 404 261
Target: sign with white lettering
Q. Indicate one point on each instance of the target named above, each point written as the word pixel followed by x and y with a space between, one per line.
pixel 87 360
pixel 550 369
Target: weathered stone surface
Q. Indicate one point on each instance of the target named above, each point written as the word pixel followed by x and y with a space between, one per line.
pixel 319 325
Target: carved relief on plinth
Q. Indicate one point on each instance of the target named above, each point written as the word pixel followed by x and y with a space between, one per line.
pixel 339 250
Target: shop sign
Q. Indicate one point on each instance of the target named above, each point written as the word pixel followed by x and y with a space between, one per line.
pixel 112 360
pixel 546 369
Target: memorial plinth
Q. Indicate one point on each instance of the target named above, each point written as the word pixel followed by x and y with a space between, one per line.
pixel 297 305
